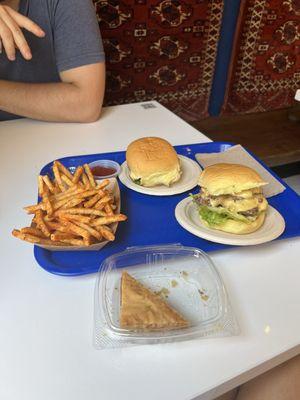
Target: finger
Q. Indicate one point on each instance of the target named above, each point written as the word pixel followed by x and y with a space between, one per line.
pixel 26 23
pixel 18 37
pixel 21 43
pixel 7 41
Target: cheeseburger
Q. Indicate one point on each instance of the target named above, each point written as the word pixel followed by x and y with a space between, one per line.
pixel 152 161
pixel 231 198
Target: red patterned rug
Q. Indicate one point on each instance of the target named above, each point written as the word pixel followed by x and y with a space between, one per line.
pixel 265 69
pixel 162 50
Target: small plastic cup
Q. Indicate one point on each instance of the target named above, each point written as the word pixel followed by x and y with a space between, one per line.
pixel 106 164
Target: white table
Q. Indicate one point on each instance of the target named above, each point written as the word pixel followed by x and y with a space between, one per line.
pixel 46 321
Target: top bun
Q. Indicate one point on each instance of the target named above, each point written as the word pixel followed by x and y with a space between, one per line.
pixel 153 161
pixel 219 179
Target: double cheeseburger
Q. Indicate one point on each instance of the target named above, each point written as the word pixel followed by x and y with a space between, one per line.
pixel 231 198
pixel 152 161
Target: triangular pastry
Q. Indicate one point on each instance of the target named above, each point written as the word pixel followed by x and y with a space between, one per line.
pixel 142 309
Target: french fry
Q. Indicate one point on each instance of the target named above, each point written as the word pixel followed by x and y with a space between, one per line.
pixel 59 236
pixel 87 242
pixel 47 218
pixel 33 209
pixel 72 203
pixel 77 174
pixel 89 175
pixel 41 223
pixel 46 190
pixel 34 239
pixel 47 205
pixel 106 233
pixel 58 177
pixel 67 180
pixel 56 187
pixel 60 203
pixel 77 230
pixel 87 193
pixel 74 242
pixel 102 202
pixel 80 210
pixel 108 209
pixel 103 183
pixel 75 217
pixel 68 193
pixel 33 231
pixel 40 185
pixel 77 194
pixel 85 181
pixel 64 170
pixel 48 183
pixel 92 231
pixel 108 220
pixel 57 226
pixel 52 225
pixel 70 199
pixel 94 199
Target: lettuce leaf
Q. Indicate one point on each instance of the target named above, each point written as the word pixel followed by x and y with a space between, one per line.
pixel 137 181
pixel 218 215
pixel 230 214
pixel 211 217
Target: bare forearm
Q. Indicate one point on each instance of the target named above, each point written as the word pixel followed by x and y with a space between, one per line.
pixel 46 101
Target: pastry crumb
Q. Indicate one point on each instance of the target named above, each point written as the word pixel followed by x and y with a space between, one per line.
pixel 163 292
pixel 203 295
pixel 174 283
pixel 184 274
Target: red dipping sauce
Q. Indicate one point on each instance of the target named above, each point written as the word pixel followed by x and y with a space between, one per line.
pixel 102 171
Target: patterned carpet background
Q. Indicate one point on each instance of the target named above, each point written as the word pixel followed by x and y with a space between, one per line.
pixel 161 49
pixel 167 50
pixel 265 67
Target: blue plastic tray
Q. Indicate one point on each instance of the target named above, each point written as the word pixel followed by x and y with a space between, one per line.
pixel 151 219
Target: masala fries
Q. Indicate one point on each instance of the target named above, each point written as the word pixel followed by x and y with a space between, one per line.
pixel 74 210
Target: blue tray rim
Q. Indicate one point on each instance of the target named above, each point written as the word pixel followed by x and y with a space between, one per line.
pixel 48 266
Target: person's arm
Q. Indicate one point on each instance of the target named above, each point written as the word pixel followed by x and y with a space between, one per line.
pixel 80 63
pixel 78 98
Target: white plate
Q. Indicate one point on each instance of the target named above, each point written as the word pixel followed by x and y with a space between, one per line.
pixel 187 216
pixel 189 179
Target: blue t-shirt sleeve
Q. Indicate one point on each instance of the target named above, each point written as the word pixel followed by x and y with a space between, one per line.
pixel 77 39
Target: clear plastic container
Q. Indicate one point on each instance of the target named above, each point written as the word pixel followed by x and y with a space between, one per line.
pixel 188 281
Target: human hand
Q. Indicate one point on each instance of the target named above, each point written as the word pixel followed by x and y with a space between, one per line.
pixel 11 35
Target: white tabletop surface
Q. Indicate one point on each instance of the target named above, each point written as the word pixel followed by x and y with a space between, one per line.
pixel 46 321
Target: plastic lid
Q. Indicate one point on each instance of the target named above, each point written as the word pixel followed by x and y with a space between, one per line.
pixel 297 95
pixel 185 275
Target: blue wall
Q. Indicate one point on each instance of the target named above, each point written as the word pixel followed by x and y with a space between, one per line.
pixel 225 47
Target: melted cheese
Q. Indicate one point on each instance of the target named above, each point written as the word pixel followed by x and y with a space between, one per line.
pixel 240 205
pixel 159 178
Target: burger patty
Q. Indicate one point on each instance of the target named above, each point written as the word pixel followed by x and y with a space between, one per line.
pixel 233 197
pixel 206 201
pixel 249 213
pixel 202 201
